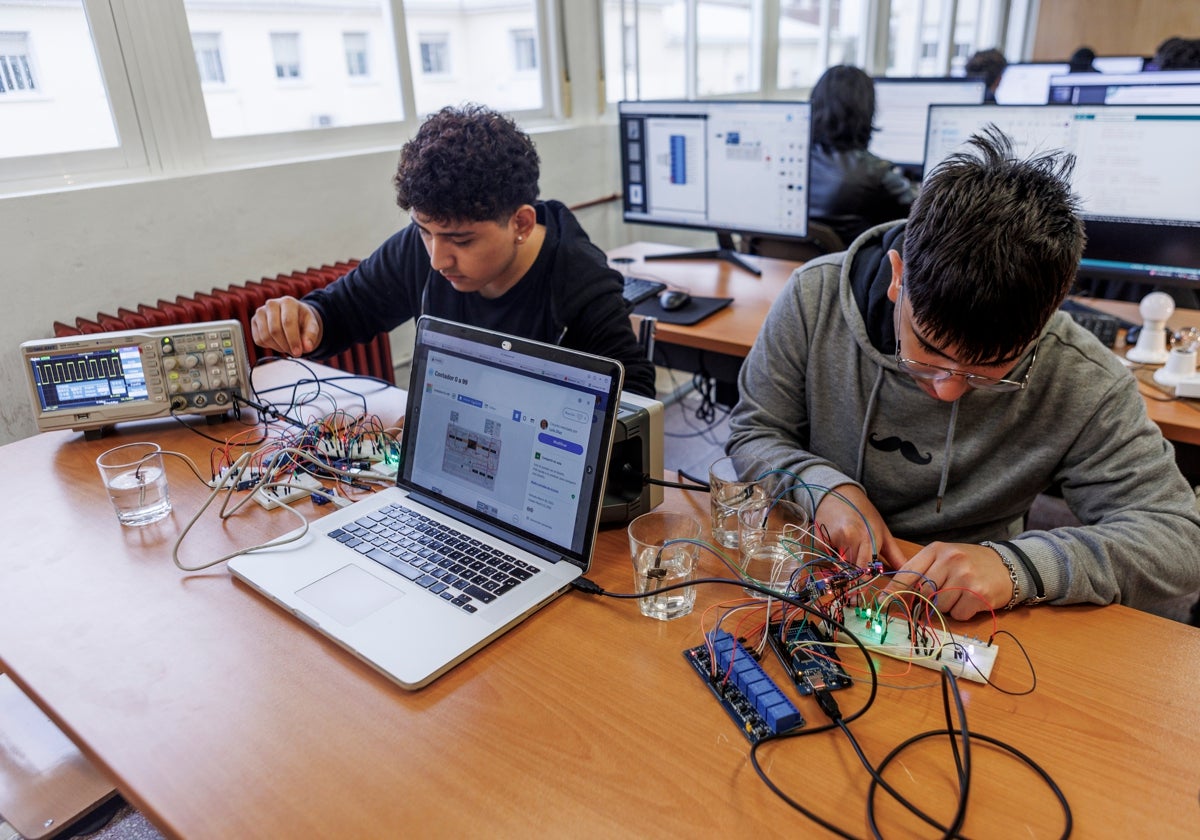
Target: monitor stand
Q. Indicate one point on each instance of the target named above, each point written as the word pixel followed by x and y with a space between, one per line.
pixel 724 251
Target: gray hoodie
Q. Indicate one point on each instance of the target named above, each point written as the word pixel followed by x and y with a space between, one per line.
pixel 821 396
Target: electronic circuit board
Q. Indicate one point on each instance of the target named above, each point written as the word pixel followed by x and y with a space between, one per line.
pixel 964 656
pixel 811 664
pixel 751 699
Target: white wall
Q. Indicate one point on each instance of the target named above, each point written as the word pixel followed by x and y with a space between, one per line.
pixel 80 252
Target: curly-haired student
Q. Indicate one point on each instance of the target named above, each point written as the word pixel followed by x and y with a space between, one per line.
pixel 480 249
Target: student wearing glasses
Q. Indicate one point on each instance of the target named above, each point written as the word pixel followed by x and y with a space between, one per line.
pixel 926 375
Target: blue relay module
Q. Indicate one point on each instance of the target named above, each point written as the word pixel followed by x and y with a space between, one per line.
pixel 751 698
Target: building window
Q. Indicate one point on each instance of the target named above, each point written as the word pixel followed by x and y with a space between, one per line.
pixel 357 65
pixel 435 54
pixel 16 73
pixel 207 47
pixel 285 47
pixel 524 49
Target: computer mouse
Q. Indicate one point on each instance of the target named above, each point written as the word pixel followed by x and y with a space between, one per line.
pixel 672 299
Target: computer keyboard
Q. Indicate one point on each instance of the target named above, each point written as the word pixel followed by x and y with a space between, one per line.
pixel 1100 324
pixel 638 289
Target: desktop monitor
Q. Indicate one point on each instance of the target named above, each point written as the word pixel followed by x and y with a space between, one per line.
pixel 1136 199
pixel 1028 83
pixel 1164 87
pixel 1119 63
pixel 901 111
pixel 729 167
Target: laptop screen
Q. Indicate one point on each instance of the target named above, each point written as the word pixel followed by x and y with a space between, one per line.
pixel 510 432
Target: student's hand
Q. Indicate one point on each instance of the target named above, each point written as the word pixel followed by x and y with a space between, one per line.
pixel 842 519
pixel 966 573
pixel 286 325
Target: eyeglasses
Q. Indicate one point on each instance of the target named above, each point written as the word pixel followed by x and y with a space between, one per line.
pixel 936 373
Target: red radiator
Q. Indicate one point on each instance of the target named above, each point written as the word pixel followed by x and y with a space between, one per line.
pixel 373 358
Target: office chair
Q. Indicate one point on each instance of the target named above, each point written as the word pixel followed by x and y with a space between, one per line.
pixel 643 328
pixel 820 239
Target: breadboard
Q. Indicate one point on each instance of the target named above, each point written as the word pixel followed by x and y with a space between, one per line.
pixel 964 656
pixel 298 486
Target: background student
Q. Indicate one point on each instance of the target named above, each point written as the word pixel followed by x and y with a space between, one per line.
pixel 990 66
pixel 850 189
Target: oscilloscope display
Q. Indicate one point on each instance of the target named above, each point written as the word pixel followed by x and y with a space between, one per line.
pixel 79 380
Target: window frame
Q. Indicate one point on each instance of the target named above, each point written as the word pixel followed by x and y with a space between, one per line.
pixel 64 170
pixel 156 97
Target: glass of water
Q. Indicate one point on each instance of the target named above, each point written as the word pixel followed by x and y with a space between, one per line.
pixel 136 482
pixel 774 542
pixel 658 562
pixel 735 480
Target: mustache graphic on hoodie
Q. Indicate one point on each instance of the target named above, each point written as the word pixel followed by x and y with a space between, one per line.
pixel 907 448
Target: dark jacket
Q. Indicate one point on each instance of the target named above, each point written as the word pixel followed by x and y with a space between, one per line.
pixel 569 296
pixel 853 190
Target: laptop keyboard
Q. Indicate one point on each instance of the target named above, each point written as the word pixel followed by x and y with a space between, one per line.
pixel 457 568
pixel 638 289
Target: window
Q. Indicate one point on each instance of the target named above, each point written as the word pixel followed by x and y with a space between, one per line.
pixel 435 54
pixel 285 47
pixel 357 65
pixel 479 51
pixel 814 36
pixel 53 100
pixel 699 48
pixel 324 45
pixel 935 39
pixel 207 47
pixel 524 49
pixel 16 74
pixel 653 51
pixel 727 47
pixel 188 86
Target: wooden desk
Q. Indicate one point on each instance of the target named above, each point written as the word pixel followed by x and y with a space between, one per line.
pixel 1178 419
pixel 218 715
pixel 732 330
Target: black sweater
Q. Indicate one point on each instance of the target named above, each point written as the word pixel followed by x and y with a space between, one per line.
pixel 569 296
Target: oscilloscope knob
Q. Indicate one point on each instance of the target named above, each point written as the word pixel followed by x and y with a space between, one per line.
pixel 189 361
pixel 211 358
pixel 170 362
pixel 193 385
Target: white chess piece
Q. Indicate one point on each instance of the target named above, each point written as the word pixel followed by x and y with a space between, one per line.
pixel 1151 347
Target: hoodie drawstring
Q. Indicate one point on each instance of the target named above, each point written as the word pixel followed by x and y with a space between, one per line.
pixel 946 455
pixel 862 440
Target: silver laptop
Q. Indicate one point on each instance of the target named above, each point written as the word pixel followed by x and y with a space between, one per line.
pixel 495 512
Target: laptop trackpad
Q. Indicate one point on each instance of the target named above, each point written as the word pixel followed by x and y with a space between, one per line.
pixel 349 594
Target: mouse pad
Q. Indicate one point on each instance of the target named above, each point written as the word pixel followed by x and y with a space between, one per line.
pixel 694 311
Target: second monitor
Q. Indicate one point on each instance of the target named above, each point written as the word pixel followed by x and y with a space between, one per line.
pixel 728 167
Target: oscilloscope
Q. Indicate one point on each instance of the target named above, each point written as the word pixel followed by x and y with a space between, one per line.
pixel 88 382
